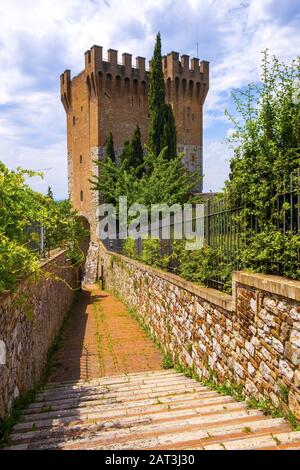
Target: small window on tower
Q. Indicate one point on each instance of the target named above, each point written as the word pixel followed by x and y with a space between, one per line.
pixel 81 159
pixel 81 196
pixel 74 120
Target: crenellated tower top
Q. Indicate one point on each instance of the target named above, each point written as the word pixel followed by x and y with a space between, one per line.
pixel 114 77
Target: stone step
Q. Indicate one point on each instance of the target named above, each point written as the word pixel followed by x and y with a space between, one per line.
pixel 119 396
pixel 125 439
pixel 155 413
pixel 118 378
pixel 110 402
pixel 270 441
pixel 131 408
pixel 153 410
pixel 134 425
pixel 120 387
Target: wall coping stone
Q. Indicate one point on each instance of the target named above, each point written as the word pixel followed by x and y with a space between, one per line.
pixel 278 285
pixel 221 299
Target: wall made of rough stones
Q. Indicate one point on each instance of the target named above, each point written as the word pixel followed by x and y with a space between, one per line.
pixel 251 338
pixel 29 321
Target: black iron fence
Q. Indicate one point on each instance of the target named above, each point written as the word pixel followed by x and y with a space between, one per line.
pixel 229 230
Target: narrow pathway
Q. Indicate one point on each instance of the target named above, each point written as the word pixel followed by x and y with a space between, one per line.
pixel 128 401
pixel 101 339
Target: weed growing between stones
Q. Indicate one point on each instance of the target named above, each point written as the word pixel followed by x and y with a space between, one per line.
pixel 167 362
pixel 25 399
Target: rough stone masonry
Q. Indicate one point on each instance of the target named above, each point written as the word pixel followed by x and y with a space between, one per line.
pixel 251 338
pixel 29 320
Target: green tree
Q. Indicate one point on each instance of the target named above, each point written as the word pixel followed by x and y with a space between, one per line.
pixel 137 148
pixel 161 130
pixel 132 156
pixel 22 212
pixel 169 137
pixel 50 193
pixel 156 100
pixel 109 148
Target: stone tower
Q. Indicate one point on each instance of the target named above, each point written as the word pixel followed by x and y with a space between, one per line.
pixel 109 96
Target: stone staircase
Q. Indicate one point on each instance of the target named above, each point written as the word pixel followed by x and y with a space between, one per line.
pixel 149 410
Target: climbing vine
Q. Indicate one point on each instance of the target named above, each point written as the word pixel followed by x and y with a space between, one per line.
pixel 22 213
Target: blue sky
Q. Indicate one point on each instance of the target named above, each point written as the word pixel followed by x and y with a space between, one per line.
pixel 39 39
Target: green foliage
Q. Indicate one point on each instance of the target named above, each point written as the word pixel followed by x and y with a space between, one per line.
pixel 22 212
pixel 130 248
pixel 166 181
pixel 266 144
pixel 151 254
pixel 200 265
pixel 50 193
pixel 156 100
pixel 167 362
pixel 109 148
pixel 161 129
pixel 169 137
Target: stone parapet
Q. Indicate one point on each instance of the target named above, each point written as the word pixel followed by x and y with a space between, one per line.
pixel 29 321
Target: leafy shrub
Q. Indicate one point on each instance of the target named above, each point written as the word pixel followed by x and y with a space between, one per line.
pixel 130 248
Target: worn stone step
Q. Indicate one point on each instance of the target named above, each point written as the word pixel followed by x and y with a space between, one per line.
pixel 124 439
pixel 119 396
pixel 156 384
pixel 137 426
pixel 117 378
pixel 138 407
pixel 270 441
pixel 165 412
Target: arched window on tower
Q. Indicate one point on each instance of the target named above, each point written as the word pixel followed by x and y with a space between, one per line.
pixel 144 91
pixel 81 196
pixel 169 89
pixel 109 83
pixel 100 81
pixel 191 89
pixel 198 91
pixel 127 85
pixel 183 87
pixel 177 87
pixel 135 87
pixel 118 85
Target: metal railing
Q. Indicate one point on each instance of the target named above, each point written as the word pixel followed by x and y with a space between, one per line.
pixel 229 230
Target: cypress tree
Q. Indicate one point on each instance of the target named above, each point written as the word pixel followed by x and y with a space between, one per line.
pixel 137 149
pixel 126 155
pixel 133 154
pixel 162 129
pixel 109 148
pixel 156 99
pixel 169 138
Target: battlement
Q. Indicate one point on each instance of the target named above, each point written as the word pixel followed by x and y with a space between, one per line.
pixel 184 68
pixel 184 77
pixel 65 89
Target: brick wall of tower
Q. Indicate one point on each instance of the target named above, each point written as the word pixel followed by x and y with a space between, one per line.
pixel 109 96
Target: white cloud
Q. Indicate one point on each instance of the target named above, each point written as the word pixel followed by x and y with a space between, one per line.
pixel 38 40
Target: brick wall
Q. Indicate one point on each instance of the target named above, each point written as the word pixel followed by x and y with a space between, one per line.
pixel 111 97
pixel 252 338
pixel 29 321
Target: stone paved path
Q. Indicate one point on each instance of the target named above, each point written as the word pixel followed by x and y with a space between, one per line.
pixel 102 339
pixel 110 392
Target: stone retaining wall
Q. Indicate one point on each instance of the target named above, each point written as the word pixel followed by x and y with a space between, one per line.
pixel 252 338
pixel 29 321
